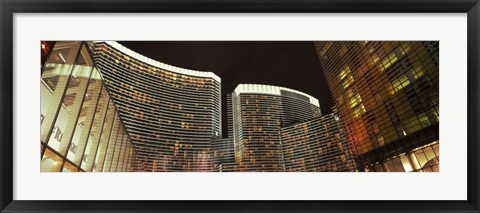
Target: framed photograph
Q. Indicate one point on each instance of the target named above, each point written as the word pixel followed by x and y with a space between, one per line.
pixel 239 106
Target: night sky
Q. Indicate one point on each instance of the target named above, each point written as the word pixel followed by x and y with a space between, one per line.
pixel 291 64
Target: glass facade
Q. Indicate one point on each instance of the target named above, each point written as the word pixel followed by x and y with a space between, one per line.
pixel 80 127
pixel 387 95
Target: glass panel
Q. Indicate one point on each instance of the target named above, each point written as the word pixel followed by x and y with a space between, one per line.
pixel 55 78
pixel 69 167
pixel 427 169
pixel 121 158
pixel 436 149
pixel 51 162
pixel 389 166
pixel 57 64
pixel 72 105
pixel 117 149
pixel 111 145
pixel 406 163
pixel 398 165
pixel 85 119
pixel 86 157
pixel 97 128
pixel 378 168
pixel 72 150
pixel 422 160
pixel 55 138
pixel 105 138
pixel 429 153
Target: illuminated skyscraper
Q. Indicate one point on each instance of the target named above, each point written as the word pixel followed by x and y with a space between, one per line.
pixel 387 96
pixel 259 112
pixel 105 108
pixel 171 114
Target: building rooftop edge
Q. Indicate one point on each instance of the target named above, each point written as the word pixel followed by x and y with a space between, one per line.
pixel 270 89
pixel 158 64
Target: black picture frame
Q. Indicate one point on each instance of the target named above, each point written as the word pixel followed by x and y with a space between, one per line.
pixel 9 7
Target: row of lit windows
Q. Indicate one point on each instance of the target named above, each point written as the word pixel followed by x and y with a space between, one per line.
pixel 149 86
pixel 357 63
pixel 140 67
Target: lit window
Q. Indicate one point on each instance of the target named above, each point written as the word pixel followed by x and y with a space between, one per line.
pixel 388 61
pixel 325 48
pixel 348 82
pixel 357 99
pixel 344 72
pixel 418 71
pixel 381 140
pixel 424 120
pixel 360 110
pixel 400 83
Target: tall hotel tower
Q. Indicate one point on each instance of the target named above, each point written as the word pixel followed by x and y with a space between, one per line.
pixel 387 96
pixel 258 113
pixel 171 114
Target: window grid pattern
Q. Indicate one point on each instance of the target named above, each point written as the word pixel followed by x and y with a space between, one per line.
pixel 317 145
pixel 171 118
pixel 258 119
pixel 386 93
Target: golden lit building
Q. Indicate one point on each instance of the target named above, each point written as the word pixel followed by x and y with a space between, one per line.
pixel 80 127
pixel 387 95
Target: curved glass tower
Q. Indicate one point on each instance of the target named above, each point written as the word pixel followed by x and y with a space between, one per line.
pixel 171 114
pixel 258 113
